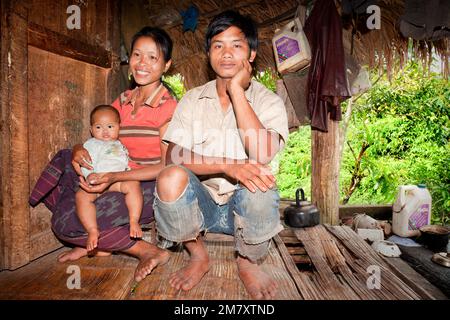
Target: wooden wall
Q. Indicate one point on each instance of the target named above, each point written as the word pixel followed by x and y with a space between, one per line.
pixel 51 78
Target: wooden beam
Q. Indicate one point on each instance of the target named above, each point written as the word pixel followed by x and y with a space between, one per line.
pixel 45 39
pixel 113 34
pixel 14 131
pixel 325 172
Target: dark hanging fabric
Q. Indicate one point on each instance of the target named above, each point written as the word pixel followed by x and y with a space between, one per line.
pixel 327 84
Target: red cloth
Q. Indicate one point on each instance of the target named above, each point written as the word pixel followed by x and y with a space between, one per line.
pixel 327 84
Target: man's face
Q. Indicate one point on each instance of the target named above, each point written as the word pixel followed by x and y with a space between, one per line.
pixel 105 126
pixel 227 51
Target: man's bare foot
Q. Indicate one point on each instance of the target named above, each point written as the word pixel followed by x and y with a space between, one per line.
pixel 77 253
pixel 258 284
pixel 187 277
pixel 149 261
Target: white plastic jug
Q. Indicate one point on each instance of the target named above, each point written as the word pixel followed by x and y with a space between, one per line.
pixel 411 210
pixel 291 47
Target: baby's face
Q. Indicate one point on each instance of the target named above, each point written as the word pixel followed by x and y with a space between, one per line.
pixel 105 126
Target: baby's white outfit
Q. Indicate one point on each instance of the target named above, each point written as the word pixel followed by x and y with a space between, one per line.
pixel 107 156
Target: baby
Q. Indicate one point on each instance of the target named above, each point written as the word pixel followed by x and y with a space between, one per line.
pixel 107 155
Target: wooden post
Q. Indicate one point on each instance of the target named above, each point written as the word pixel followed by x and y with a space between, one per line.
pixel 113 74
pixel 14 131
pixel 325 172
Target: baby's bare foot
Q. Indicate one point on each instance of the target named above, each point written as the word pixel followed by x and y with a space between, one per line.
pixel 150 261
pixel 258 284
pixel 92 240
pixel 135 230
pixel 186 278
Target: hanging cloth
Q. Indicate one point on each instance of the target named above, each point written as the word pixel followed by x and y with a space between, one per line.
pixel 327 83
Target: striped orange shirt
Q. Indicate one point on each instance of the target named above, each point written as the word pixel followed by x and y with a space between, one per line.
pixel 139 132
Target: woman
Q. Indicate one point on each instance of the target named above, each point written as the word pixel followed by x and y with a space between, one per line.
pixel 145 113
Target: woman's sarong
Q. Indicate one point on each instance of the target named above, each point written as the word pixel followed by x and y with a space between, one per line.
pixel 56 188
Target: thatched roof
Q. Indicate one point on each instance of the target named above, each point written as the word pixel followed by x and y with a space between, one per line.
pixel 373 48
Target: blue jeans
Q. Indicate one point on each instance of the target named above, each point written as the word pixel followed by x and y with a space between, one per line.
pixel 253 218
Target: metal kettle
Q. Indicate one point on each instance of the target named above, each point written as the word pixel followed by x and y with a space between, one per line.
pixel 302 213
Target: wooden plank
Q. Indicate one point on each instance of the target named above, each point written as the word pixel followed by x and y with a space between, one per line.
pixel 419 258
pixel 53 16
pixel 379 212
pixel 101 278
pixel 48 40
pixel 367 257
pixel 4 40
pixel 328 280
pixel 296 250
pixel 420 285
pixel 113 35
pixel 302 280
pixel 15 164
pixel 339 264
pixel 302 260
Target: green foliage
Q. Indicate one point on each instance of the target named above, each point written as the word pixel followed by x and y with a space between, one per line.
pixel 295 164
pixel 406 123
pixel 176 84
pixel 268 78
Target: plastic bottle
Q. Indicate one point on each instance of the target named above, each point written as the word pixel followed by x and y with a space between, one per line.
pixel 411 210
pixel 291 47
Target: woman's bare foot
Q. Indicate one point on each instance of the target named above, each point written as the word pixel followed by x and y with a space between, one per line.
pixel 258 284
pixel 187 277
pixel 77 253
pixel 73 254
pixel 150 257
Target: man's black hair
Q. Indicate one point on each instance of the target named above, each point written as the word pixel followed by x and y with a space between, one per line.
pixel 161 38
pixel 230 18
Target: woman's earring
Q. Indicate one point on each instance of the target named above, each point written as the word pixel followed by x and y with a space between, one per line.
pixel 130 76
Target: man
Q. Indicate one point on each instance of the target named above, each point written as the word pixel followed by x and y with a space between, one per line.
pixel 221 139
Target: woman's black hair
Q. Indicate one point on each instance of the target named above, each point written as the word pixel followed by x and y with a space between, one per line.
pixel 161 38
pixel 230 18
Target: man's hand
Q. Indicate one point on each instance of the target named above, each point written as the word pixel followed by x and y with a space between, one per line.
pixel 81 158
pixel 251 175
pixel 242 78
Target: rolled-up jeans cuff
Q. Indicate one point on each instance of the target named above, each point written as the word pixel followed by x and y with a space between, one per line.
pixel 180 220
pixel 252 246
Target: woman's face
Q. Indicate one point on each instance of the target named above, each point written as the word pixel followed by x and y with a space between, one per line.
pixel 147 63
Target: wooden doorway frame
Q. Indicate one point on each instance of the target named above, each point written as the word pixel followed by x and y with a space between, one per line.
pixel 17 33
